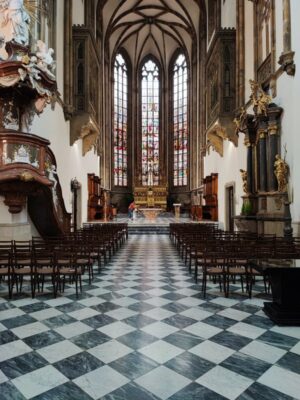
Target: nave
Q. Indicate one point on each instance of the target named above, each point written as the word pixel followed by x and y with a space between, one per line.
pixel 142 331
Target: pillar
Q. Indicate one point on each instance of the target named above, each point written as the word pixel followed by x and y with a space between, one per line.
pixel 273 150
pixel 249 167
pixel 286 59
pixel 262 161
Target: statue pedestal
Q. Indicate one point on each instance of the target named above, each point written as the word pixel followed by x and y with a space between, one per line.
pixel 177 210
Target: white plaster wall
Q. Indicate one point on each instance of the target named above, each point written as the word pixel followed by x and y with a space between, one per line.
pixel 288 89
pixel 228 14
pixel 70 162
pixel 78 12
pixel 228 169
pixel 279 28
pixel 15 226
pixel 249 46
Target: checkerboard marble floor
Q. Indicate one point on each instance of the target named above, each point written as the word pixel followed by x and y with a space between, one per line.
pixel 142 331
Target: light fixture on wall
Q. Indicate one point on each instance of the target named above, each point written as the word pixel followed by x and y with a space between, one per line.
pixel 75 185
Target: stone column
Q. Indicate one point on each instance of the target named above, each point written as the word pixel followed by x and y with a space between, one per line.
pixel 262 160
pixel 286 58
pixel 240 52
pixel 273 150
pixel 249 166
pixel 68 62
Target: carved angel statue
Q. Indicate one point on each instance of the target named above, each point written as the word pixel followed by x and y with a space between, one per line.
pixel 14 21
pixel 281 170
pixel 260 99
pixel 244 175
pixel 45 60
pixel 240 119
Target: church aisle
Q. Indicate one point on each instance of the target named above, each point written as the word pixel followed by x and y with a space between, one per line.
pixel 142 331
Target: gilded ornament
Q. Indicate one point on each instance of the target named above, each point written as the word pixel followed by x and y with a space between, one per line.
pixel 281 171
pixel 244 175
pixel 240 119
pixel 259 99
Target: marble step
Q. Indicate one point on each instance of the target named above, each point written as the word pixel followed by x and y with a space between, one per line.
pixel 148 229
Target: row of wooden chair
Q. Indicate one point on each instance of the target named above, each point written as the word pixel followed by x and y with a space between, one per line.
pixel 225 256
pixel 59 259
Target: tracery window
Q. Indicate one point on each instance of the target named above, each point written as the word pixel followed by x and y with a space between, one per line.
pixel 120 121
pixel 150 108
pixel 180 121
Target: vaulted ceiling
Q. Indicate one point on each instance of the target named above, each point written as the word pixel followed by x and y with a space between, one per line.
pixel 156 27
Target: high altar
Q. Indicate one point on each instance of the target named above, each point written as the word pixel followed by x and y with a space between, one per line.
pixel 151 195
pixel 155 196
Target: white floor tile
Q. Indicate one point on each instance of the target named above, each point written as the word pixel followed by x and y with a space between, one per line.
pixel 45 314
pixel 162 382
pixel 3 378
pixel 100 382
pixel 59 301
pixel 83 313
pixel 91 301
pixel 282 380
pixel 225 302
pixel 196 313
pixel 13 349
pixel 293 331
pixel 39 381
pixel 263 351
pixel 158 301
pixel 190 301
pixel 121 313
pixel 10 313
pixel 211 351
pixel 73 329
pixel 30 329
pixel 158 313
pixel 234 314
pixel 296 349
pixel 227 383
pixel 59 351
pixel 202 330
pixel 116 329
pixel 159 329
pixel 125 301
pixel 161 351
pixel 110 351
pixel 246 330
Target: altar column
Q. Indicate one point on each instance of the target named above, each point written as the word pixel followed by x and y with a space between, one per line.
pixel 262 160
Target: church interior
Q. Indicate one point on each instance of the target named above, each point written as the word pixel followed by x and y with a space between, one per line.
pixel 149 200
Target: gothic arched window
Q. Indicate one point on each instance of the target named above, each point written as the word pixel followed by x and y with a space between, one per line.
pixel 180 121
pixel 150 109
pixel 120 121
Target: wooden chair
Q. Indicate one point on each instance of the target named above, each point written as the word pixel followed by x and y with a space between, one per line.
pixel 23 264
pixel 6 265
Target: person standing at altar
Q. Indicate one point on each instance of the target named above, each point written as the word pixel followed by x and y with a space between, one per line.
pixel 131 208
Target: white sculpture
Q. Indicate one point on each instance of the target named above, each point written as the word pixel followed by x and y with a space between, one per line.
pixel 15 21
pixel 45 60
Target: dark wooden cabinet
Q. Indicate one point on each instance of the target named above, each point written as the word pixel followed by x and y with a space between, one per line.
pixel 210 194
pixel 95 199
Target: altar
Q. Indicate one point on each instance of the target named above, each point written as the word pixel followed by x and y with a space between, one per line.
pixel 151 197
pixel 150 213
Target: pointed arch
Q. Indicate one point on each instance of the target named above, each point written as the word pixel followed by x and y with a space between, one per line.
pixel 179 73
pixel 120 118
pixel 150 105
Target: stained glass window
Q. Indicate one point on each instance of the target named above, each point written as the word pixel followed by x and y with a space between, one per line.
pixel 150 108
pixel 120 121
pixel 180 121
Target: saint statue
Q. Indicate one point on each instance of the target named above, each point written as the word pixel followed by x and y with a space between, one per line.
pixel 244 175
pixel 281 170
pixel 150 179
pixel 15 21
